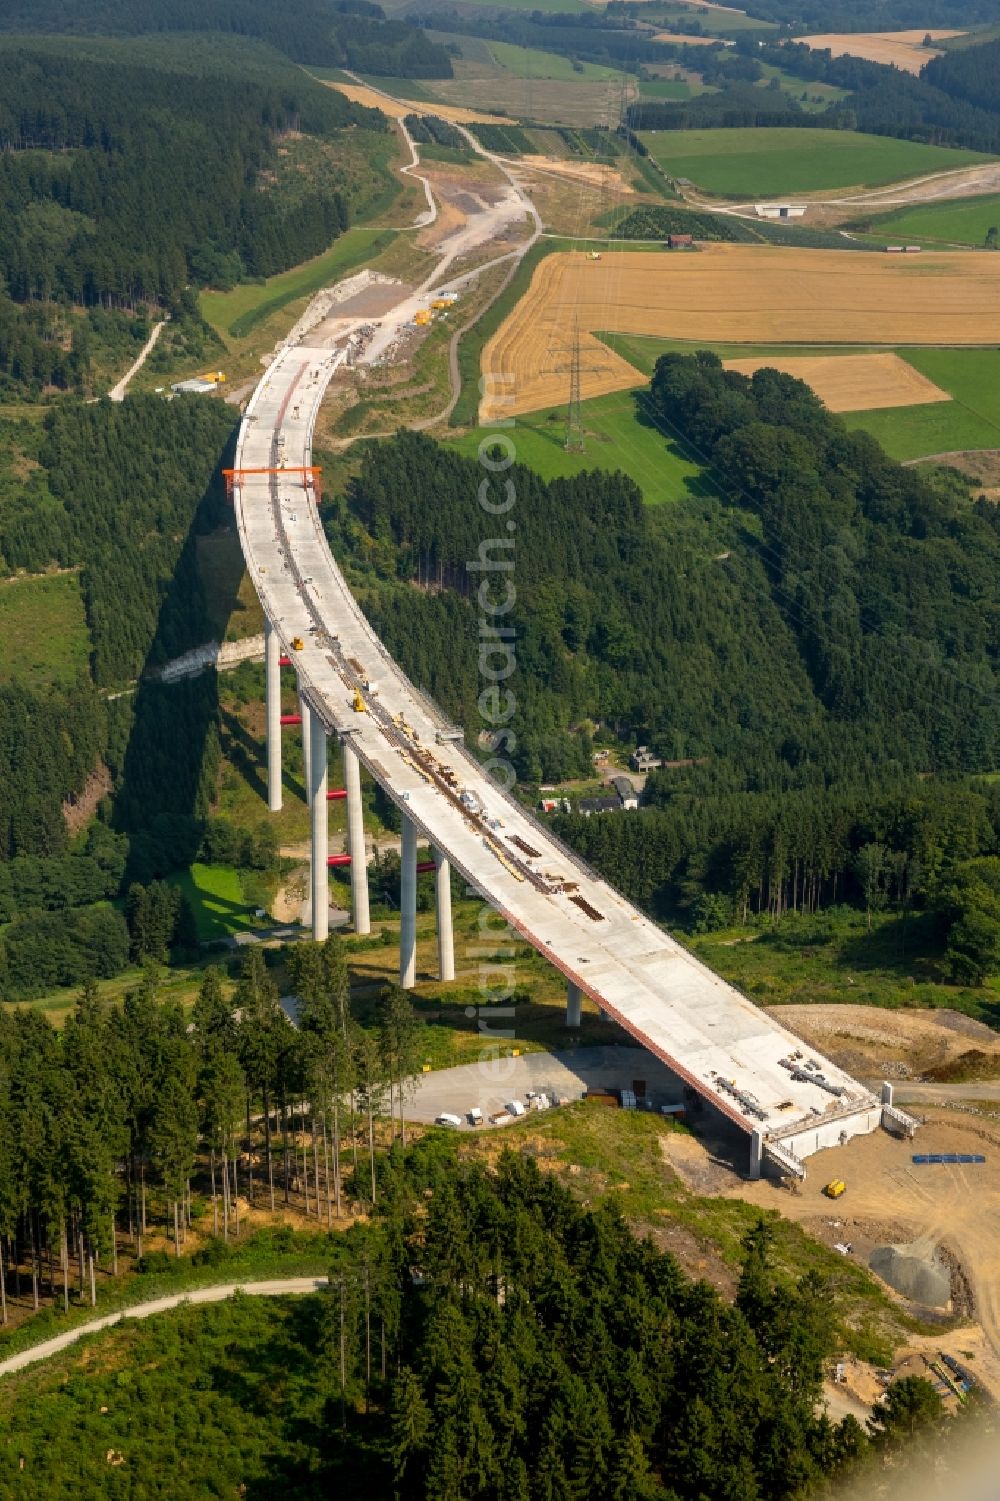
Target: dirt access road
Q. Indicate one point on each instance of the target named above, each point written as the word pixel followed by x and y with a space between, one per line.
pixel 934 187
pixel 280 1287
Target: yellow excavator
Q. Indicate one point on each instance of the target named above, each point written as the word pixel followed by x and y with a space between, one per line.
pixel 297 643
pixel 359 703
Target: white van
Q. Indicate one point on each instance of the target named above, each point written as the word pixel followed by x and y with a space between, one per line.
pixel 446 1119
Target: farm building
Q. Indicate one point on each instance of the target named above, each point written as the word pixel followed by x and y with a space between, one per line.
pixel 680 242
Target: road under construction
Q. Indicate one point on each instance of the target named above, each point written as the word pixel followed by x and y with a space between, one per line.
pixel 788 1099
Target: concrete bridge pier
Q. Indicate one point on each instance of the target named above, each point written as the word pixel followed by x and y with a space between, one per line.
pixel 445 932
pixel 272 701
pixel 756 1152
pixel 408 905
pixel 314 735
pixel 306 749
pixel 356 840
pixel 574 1005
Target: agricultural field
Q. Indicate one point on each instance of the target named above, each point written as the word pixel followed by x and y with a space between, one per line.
pixel 43 629
pixel 960 221
pixel 740 294
pixel 853 382
pixel 617 437
pixel 717 21
pixel 898 49
pixel 779 160
pixel 530 62
pixel 970 420
pixel 966 417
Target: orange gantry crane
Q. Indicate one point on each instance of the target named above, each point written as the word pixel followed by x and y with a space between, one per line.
pixel 310 476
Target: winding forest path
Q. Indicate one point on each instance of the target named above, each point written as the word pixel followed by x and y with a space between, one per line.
pixel 117 393
pixel 278 1287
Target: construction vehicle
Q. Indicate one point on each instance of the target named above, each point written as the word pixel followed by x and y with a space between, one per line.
pixel 359 702
pixel 440 303
pixel 423 317
pixel 297 643
pixel 217 377
pixel 595 255
pixel 835 1188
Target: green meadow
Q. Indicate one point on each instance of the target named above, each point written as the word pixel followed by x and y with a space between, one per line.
pixel 754 163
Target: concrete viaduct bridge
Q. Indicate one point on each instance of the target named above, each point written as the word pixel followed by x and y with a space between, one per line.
pixel 788 1100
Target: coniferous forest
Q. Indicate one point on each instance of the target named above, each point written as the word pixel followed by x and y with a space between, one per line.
pixel 484 1336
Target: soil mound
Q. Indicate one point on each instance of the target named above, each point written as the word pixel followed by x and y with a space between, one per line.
pixel 917 1275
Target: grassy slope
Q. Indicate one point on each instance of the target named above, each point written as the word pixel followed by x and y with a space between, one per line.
pixel 832 958
pixel 744 163
pixel 529 62
pixel 616 438
pixel 226 311
pixel 42 629
pixel 962 221
pixel 216 896
pixel 971 377
pixel 970 420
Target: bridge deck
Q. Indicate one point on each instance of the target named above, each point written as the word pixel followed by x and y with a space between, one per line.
pixel 697 1024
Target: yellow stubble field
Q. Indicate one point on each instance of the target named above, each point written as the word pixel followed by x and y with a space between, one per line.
pixel 903 49
pixel 743 294
pixel 853 382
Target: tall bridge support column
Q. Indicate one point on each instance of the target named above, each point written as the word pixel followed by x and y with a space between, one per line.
pixel 446 936
pixel 320 880
pixel 756 1152
pixel 356 840
pixel 272 708
pixel 408 905
pixel 574 1005
pixel 306 749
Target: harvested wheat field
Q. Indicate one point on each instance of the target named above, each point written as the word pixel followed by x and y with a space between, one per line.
pixel 903 49
pixel 686 41
pixel 744 294
pixel 854 382
pixel 397 108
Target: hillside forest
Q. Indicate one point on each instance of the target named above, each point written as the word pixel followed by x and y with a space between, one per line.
pixel 484 1335
pixel 812 645
pixel 106 207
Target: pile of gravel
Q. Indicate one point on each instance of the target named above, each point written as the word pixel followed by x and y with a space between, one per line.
pixel 920 1276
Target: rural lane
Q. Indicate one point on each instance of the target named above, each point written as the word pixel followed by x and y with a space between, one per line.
pixel 279 1287
pixel 117 393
